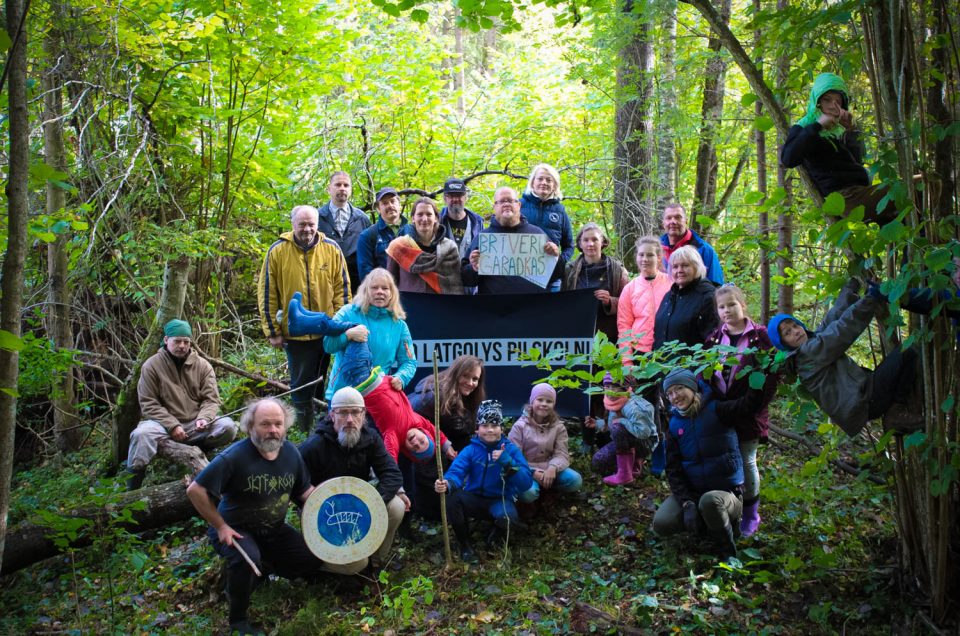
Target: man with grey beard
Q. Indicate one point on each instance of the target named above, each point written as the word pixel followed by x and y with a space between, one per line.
pixel 254 481
pixel 344 447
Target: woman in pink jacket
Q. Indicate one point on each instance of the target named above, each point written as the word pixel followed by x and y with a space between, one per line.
pixel 640 299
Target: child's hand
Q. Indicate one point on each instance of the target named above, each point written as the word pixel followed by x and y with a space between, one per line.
pixel 396 383
pixel 549 475
pixel 451 453
pixel 440 486
pixel 495 455
pixel 590 422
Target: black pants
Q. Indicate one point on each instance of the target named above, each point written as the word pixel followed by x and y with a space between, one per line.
pixel 282 546
pixel 462 505
pixel 894 380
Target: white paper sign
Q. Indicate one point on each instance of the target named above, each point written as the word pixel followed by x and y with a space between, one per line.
pixel 516 255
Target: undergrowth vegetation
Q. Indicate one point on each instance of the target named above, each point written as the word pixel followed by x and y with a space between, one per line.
pixel 824 561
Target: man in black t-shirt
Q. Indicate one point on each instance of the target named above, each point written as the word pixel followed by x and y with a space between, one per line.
pixel 255 480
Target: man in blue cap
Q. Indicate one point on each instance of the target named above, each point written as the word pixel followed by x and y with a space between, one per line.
pixel 178 402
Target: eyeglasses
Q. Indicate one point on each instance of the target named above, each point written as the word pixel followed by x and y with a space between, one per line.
pixel 506 202
pixel 349 412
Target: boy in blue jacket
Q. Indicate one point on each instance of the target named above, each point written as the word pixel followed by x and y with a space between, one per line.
pixel 485 480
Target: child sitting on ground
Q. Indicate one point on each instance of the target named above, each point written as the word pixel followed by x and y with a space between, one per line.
pixel 633 431
pixel 542 438
pixel 731 382
pixel 848 393
pixel 485 480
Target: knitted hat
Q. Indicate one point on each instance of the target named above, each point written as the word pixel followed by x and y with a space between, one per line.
pixel 426 453
pixel 542 389
pixel 773 330
pixel 490 412
pixel 347 397
pixel 178 329
pixel 680 377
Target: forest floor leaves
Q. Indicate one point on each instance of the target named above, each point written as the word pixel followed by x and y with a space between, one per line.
pixel 824 561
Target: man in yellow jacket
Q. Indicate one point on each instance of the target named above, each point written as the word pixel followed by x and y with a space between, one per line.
pixel 304 261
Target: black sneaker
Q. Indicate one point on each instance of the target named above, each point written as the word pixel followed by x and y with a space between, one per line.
pixel 244 628
pixel 903 420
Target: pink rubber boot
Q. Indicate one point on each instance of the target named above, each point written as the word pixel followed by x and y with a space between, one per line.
pixel 624 474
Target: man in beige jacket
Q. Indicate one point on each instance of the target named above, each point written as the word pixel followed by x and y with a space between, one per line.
pixel 178 402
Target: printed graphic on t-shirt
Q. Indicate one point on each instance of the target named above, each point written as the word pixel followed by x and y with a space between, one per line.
pixel 458 229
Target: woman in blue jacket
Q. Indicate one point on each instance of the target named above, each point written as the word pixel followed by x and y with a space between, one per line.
pixel 379 317
pixel 541 206
pixel 704 467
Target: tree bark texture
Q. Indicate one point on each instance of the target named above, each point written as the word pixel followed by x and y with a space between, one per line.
pixel 711 113
pixel 785 217
pixel 667 100
pixel 11 276
pixel 66 426
pixel 126 414
pixel 633 209
pixel 763 220
pixel 166 504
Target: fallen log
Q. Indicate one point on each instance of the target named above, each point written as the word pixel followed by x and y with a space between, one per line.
pixel 30 542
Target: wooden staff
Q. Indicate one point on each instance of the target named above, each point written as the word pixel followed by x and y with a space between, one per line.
pixel 246 558
pixel 436 433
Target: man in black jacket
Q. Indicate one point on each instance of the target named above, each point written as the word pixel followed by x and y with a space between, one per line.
pixel 343 447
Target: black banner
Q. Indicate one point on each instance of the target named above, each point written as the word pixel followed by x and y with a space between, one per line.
pixel 498 329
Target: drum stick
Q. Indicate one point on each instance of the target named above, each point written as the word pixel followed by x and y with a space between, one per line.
pixel 436 434
pixel 246 557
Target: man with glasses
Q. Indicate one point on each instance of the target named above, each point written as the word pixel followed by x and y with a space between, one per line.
pixel 462 224
pixel 507 220
pixel 344 447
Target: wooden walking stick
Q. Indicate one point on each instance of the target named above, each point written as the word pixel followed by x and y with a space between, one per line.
pixel 436 434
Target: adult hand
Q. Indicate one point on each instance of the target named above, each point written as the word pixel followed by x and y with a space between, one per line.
pixel 360 333
pixel 475 260
pixel 549 475
pixel 396 383
pixel 178 434
pixel 226 534
pixel 551 248
pixel 276 341
pixel 202 424
pixel 602 295
pixel 691 516
pixel 451 453
pixel 405 500
pixel 845 119
pixel 440 486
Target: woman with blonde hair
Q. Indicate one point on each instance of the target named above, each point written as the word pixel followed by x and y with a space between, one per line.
pixel 380 322
pixel 641 298
pixel 541 204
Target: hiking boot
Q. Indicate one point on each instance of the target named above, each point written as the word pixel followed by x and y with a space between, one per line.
pixel 467 555
pixel 903 420
pixel 244 628
pixel 135 478
pixel 726 546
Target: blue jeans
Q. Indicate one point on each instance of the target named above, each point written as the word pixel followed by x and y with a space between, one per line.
pixel 568 480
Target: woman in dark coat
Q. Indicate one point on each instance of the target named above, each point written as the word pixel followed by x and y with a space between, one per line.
pixel 687 313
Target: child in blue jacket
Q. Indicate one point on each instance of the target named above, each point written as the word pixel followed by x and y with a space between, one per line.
pixel 485 480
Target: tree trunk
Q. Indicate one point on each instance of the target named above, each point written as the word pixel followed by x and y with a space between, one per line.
pixel 11 275
pixel 633 209
pixel 65 422
pixel 711 113
pixel 126 414
pixel 165 504
pixel 760 141
pixel 667 99
pixel 785 218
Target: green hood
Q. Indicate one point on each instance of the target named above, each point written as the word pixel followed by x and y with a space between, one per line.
pixel 825 82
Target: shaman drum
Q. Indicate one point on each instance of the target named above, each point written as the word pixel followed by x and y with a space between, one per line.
pixel 344 520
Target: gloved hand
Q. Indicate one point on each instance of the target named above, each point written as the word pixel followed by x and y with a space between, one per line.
pixel 873 290
pixel 691 516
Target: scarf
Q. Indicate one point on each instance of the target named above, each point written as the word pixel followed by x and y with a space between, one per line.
pixel 670 249
pixel 615 404
pixel 824 83
pixel 440 271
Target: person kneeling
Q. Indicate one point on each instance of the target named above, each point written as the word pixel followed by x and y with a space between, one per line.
pixel 704 468
pixel 542 438
pixel 484 480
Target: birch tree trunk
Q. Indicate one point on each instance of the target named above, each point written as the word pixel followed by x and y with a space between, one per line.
pixel 667 93
pixel 11 275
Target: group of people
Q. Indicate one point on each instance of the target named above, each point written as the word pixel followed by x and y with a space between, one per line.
pixel 331 288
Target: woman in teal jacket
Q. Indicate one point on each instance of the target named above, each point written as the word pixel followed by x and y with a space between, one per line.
pixel 380 323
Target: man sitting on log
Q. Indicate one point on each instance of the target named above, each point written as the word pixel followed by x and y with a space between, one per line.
pixel 178 402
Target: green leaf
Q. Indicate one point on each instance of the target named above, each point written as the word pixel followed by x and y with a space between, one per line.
pixel 764 123
pixel 10 342
pixel 892 231
pixel 756 380
pixel 947 405
pixel 419 15
pixel 748 99
pixel 752 198
pixel 914 439
pixel 834 204
pixel 5 41
pixel 938 259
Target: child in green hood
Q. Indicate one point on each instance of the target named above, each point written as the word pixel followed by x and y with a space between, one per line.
pixel 827 143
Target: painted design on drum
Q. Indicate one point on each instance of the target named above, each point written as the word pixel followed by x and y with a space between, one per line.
pixel 343 519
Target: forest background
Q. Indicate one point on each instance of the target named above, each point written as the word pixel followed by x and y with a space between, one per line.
pixel 156 150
